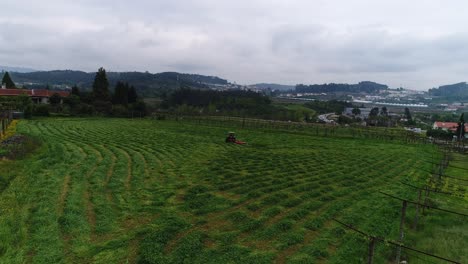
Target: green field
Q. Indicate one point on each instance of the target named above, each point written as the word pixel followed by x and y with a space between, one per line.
pixel 145 191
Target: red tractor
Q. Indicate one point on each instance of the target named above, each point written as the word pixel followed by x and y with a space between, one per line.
pixel 231 138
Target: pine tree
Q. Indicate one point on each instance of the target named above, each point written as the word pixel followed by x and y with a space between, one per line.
pixel 8 81
pixel 132 95
pixel 120 94
pixel 101 86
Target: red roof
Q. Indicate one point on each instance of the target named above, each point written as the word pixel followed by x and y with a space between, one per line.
pixel 32 93
pixel 449 125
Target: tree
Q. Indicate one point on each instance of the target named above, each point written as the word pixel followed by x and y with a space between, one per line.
pixel 132 95
pixel 101 86
pixel 374 112
pixel 25 104
pixel 121 94
pixel 8 81
pixel 75 91
pixel 408 114
pixel 384 111
pixel 72 101
pixel 55 99
pixel 356 111
pixel 461 127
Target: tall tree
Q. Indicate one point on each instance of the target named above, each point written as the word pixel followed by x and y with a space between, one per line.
pixel 132 95
pixel 101 86
pixel 408 114
pixel 120 94
pixel 8 81
pixel 461 127
pixel 384 111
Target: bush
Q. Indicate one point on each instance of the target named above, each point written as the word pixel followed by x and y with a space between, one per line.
pixel 41 110
pixel 439 133
pixel 119 110
pixel 85 109
pixel 138 108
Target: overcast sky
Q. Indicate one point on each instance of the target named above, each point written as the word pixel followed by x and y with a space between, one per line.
pixel 416 44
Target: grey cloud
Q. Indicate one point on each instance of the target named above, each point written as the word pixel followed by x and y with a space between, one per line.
pixel 297 41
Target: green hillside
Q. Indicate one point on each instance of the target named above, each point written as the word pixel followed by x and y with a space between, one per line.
pixel 147 191
pixel 147 84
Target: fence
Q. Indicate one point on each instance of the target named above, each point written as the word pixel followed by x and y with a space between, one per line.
pixel 5 120
pixel 325 130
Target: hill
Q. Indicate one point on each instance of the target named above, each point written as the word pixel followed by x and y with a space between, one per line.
pixel 362 87
pixel 147 84
pixel 457 91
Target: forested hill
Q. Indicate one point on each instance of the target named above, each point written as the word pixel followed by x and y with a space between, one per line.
pixel 362 87
pixel 147 84
pixel 453 91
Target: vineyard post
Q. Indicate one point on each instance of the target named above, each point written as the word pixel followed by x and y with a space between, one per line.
pixel 415 224
pixel 425 199
pixel 370 257
pixel 402 223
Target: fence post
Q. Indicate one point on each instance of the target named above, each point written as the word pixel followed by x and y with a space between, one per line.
pixel 370 258
pixel 402 223
pixel 415 224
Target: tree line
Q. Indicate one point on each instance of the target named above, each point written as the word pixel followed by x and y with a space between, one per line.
pixel 362 87
pixel 147 84
pixel 241 103
pixel 123 102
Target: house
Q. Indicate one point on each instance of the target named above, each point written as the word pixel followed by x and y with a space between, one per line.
pixel 38 96
pixel 448 126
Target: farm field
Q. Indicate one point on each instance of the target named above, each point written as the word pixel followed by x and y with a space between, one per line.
pixel 146 191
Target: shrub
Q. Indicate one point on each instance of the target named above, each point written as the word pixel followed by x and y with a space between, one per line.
pixel 41 110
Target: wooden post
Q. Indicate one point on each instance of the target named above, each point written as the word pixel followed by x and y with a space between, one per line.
pixel 370 257
pixel 425 199
pixel 402 223
pixel 415 224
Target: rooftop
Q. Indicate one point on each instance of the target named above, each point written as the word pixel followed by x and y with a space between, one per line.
pixel 32 92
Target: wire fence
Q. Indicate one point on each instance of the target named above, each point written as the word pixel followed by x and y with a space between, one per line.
pixel 317 129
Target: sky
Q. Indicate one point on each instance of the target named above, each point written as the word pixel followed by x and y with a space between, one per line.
pixel 417 44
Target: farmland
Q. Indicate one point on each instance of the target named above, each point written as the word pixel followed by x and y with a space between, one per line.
pixel 146 191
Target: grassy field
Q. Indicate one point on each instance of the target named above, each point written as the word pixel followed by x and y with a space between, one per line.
pixel 142 191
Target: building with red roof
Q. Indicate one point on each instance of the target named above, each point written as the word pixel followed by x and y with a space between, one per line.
pixel 448 126
pixel 39 96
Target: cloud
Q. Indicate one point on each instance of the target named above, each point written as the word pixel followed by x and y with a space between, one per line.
pixel 298 41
